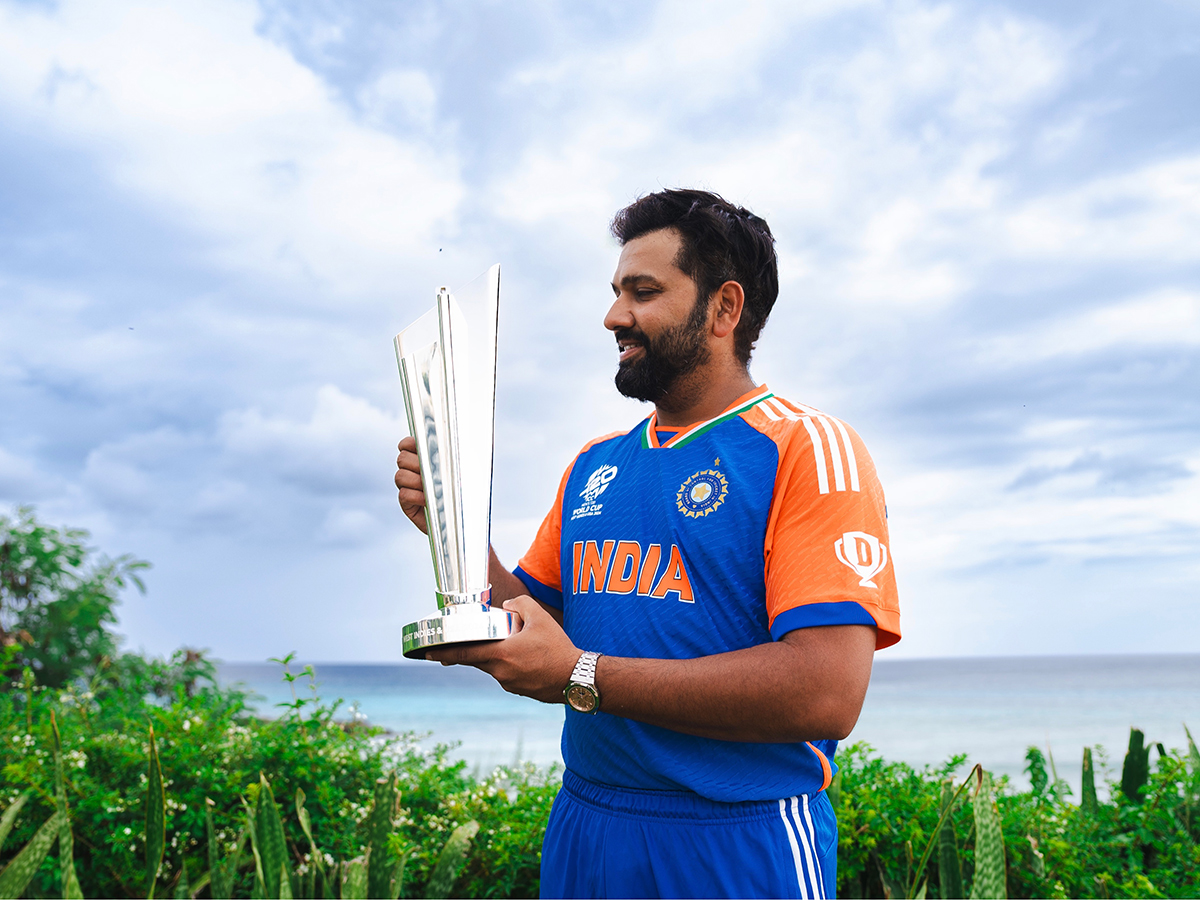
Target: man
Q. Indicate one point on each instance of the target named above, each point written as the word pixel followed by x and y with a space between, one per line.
pixel 708 588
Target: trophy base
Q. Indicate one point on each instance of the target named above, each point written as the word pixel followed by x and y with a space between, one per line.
pixel 463 624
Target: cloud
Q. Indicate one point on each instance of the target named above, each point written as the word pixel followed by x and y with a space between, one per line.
pixel 1113 473
pixel 191 108
pixel 346 446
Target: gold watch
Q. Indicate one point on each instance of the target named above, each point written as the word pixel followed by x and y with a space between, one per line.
pixel 580 691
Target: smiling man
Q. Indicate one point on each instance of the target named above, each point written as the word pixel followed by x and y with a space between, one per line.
pixel 706 594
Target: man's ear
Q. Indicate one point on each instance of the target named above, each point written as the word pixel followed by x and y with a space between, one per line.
pixel 727 303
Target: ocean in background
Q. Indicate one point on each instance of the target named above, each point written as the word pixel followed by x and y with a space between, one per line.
pixel 918 711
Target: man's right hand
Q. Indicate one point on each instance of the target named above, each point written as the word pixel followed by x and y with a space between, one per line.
pixel 408 482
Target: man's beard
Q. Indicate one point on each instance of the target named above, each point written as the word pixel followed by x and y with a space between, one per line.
pixel 665 359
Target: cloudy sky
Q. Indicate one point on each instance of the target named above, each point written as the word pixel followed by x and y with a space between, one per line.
pixel 215 215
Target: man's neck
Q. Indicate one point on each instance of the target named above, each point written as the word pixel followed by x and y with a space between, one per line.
pixel 702 395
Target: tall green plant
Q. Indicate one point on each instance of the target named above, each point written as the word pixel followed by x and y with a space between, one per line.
pixel 1087 799
pixel 222 869
pixel 66 839
pixel 384 873
pixel 156 817
pixel 270 845
pixel 950 878
pixel 989 882
pixel 1136 770
pixel 22 867
pixel 451 860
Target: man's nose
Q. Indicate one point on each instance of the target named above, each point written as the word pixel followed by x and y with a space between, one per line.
pixel 619 315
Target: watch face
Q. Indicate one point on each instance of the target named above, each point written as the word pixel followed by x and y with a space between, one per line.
pixel 582 698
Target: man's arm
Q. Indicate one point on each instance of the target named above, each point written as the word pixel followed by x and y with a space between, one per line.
pixel 808 686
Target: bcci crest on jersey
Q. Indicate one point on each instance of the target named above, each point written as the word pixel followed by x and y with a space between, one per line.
pixel 701 493
pixel 597 484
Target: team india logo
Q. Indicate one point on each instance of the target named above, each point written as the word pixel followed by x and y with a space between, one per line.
pixel 701 493
pixel 863 553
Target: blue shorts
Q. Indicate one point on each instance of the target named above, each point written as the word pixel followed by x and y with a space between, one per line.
pixel 613 842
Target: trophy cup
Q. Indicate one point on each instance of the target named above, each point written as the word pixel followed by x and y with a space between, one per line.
pixel 447 361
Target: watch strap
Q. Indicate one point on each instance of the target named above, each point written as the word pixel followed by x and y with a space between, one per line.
pixel 585 669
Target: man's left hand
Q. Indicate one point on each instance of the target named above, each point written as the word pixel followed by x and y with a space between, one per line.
pixel 535 662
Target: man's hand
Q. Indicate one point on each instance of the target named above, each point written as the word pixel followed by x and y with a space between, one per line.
pixel 535 662
pixel 408 482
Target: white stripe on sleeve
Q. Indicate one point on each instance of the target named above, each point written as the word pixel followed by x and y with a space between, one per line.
pixel 839 479
pixel 850 460
pixel 818 455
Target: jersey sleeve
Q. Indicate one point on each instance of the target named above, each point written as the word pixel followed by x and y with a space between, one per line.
pixel 540 569
pixel 827 550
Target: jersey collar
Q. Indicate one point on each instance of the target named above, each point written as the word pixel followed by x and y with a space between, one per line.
pixel 691 432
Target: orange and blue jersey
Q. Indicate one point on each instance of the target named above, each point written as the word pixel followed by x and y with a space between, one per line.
pixel 724 535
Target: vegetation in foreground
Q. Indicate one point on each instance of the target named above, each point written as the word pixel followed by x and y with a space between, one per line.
pixel 126 776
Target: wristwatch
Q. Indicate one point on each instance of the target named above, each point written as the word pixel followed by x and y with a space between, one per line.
pixel 580 691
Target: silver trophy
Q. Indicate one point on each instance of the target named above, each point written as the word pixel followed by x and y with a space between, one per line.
pixel 447 362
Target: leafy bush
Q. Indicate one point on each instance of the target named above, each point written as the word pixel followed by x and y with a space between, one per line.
pixel 212 748
pixel 57 599
pixel 1140 846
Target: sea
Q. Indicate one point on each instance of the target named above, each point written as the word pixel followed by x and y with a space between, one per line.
pixel 921 712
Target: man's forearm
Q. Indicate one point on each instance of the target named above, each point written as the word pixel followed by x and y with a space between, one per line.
pixel 808 686
pixel 505 585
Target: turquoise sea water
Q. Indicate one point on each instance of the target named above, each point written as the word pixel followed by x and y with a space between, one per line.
pixel 918 711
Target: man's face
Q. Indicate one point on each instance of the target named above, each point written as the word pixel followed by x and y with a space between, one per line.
pixel 659 321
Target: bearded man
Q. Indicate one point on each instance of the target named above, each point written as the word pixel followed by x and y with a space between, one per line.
pixel 706 593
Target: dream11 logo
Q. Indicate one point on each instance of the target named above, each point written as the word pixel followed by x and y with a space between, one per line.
pixel 863 553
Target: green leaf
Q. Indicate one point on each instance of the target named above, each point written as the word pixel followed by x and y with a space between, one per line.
pixel 1193 753
pixel 989 882
pixel 949 866
pixel 21 869
pixel 222 869
pixel 381 869
pixel 285 883
pixel 1136 770
pixel 183 890
pixel 354 881
pixel 10 816
pixel 1036 769
pixel 259 890
pixel 1087 802
pixel 272 845
pixel 66 839
pixel 451 860
pixel 156 833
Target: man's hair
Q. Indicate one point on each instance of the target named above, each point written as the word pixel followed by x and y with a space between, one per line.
pixel 720 242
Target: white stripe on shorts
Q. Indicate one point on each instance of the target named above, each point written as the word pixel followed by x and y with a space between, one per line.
pixel 795 848
pixel 809 843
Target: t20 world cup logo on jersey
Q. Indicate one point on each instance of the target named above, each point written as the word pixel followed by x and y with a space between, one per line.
pixel 597 484
pixel 863 553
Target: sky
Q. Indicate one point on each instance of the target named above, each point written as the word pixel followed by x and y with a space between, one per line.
pixel 215 215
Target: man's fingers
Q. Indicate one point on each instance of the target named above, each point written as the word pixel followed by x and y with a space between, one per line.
pixel 409 460
pixel 526 608
pixel 406 480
